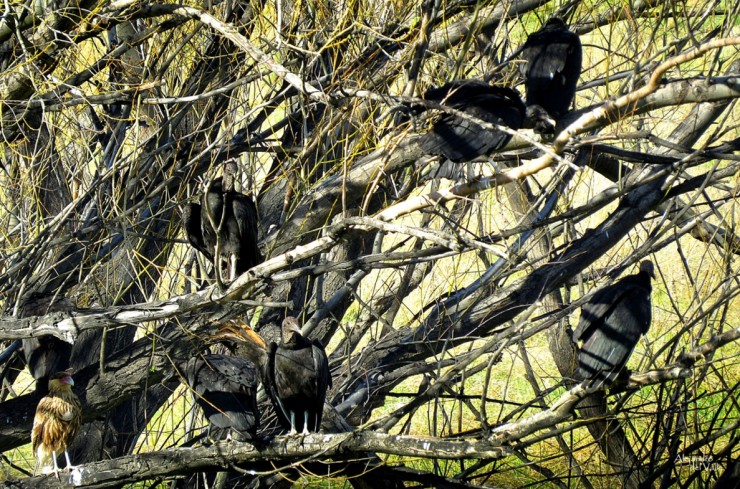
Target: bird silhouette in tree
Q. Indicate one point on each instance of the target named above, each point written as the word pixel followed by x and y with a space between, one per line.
pixel 462 139
pixel 553 58
pixel 611 324
pixel 224 226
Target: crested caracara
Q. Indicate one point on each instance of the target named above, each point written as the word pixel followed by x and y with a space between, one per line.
pixel 56 423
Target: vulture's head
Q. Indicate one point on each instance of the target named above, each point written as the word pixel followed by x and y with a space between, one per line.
pixel 291 329
pixel 648 267
pixel 555 23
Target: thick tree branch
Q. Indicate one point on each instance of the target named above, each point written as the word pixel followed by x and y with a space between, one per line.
pixel 287 450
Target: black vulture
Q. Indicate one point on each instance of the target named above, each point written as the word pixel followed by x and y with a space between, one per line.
pixel 612 322
pixel 226 220
pixel 45 355
pixel 553 65
pixel 459 139
pixel 225 387
pixel 297 378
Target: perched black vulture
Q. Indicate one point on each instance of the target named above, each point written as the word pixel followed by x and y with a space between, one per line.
pixel 611 324
pixel 297 378
pixel 459 139
pixel 45 355
pixel 226 219
pixel 553 66
pixel 225 388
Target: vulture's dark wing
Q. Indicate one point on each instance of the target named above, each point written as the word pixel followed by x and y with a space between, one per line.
pixel 323 379
pixel 247 220
pixel 225 388
pixel 593 312
pixel 458 93
pixel 459 139
pixel 191 223
pixel 604 302
pixel 272 377
pixel 633 315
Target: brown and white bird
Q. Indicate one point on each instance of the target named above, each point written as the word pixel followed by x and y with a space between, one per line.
pixel 56 423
